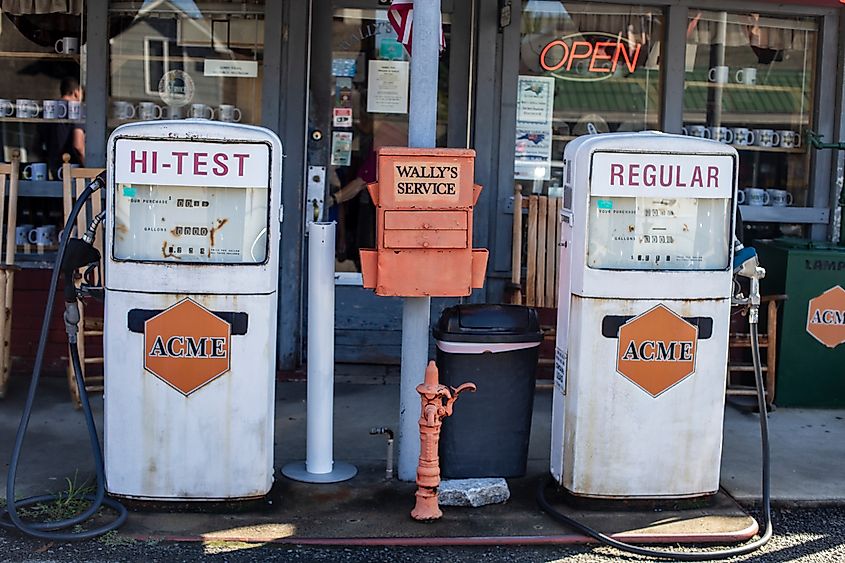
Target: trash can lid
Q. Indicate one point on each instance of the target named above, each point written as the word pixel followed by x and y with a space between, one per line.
pixel 488 323
pixel 791 243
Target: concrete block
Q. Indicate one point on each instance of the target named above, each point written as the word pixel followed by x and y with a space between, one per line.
pixel 473 492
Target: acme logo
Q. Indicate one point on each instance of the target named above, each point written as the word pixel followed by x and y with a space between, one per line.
pixel 659 351
pixel 188 347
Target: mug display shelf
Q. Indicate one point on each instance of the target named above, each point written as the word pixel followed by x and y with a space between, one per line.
pixel 742 86
pixel 38 120
pixel 788 214
pixel 39 188
pixel 34 260
pixel 38 55
pixel 800 150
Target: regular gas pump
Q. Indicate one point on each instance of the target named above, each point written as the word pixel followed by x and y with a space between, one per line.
pixel 645 290
pixel 191 269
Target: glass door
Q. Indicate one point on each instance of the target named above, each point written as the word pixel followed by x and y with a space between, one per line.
pixel 358 102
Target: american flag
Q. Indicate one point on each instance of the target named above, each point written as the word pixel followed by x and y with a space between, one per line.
pixel 401 16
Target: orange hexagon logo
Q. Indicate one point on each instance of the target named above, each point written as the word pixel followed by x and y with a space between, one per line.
pixel 187 346
pixel 826 317
pixel 656 350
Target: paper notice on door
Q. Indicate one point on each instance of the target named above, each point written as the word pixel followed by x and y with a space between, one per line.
pixel 341 148
pixel 241 69
pixel 387 87
pixel 342 117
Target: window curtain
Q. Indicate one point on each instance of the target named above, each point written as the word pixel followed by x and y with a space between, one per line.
pixel 33 7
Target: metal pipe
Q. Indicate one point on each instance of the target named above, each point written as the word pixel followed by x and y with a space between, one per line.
pixel 320 402
pixel 416 311
pixel 388 472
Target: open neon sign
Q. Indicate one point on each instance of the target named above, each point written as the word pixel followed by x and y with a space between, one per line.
pixel 589 59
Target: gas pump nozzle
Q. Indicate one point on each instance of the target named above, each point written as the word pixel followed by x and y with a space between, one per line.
pixel 747 265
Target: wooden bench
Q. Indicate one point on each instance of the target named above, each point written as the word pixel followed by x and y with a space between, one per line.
pixel 8 172
pixel 535 244
pixel 767 339
pixel 74 181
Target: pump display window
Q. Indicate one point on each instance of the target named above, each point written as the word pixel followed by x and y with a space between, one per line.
pixel 584 67
pixel 176 60
pixel 749 82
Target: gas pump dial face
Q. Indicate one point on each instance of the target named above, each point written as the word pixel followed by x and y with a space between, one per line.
pixel 647 233
pixel 191 202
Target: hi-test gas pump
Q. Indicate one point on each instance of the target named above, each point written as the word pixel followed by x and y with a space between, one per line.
pixel 642 336
pixel 645 290
pixel 192 233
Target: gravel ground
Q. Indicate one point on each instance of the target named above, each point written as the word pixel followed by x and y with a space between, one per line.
pixel 806 535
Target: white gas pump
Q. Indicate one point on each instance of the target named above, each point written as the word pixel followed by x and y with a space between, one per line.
pixel 191 271
pixel 642 337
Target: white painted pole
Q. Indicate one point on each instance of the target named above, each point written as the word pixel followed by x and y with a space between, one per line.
pixel 416 311
pixel 319 465
pixel 320 402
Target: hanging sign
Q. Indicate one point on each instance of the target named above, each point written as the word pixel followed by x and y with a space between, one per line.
pixel 238 69
pixel 590 56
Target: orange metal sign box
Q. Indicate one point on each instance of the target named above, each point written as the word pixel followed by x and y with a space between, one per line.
pixel 424 200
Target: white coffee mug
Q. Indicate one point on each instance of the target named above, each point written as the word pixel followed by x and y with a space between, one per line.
pixel 718 74
pixel 175 112
pixel 227 112
pixel 122 110
pixel 722 134
pixel 747 75
pixel 60 173
pixel 55 109
pixel 766 138
pixel 697 131
pixel 74 110
pixel 22 234
pixel 789 139
pixel 743 136
pixel 35 171
pixel 43 236
pixel 149 110
pixel 67 45
pixel 753 196
pixel 27 108
pixel 202 111
pixel 779 198
pixel 7 108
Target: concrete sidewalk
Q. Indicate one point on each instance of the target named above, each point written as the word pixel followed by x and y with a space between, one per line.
pixel 808 451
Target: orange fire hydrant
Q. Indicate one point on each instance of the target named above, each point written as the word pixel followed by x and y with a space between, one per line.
pixel 433 411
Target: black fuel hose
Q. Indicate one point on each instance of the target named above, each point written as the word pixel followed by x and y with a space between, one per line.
pixel 9 517
pixel 691 555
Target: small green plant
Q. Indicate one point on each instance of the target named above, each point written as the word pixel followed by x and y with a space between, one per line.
pixel 68 503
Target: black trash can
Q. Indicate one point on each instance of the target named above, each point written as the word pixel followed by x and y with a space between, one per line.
pixel 496 347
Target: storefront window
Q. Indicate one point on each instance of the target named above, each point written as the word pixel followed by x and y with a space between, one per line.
pixel 174 60
pixel 585 67
pixel 368 104
pixel 749 82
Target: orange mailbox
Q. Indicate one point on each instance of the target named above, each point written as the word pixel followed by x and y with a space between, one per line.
pixel 424 200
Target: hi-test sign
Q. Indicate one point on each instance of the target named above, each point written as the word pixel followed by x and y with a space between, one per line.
pixel 658 175
pixel 186 163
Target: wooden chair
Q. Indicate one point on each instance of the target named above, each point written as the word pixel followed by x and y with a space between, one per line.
pixel 74 181
pixel 7 265
pixel 536 242
pixel 767 339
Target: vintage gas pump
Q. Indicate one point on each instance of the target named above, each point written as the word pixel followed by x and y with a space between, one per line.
pixel 642 336
pixel 191 273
